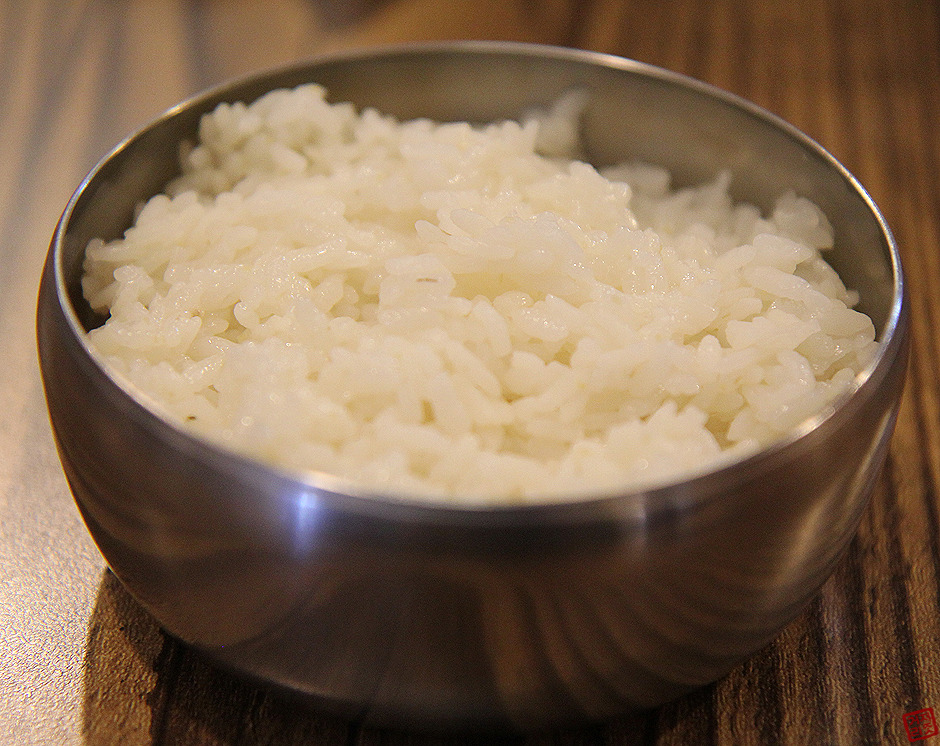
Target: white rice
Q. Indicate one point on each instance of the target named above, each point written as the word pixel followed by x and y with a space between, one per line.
pixel 444 311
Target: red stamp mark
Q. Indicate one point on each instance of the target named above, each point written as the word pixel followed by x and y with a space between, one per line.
pixel 920 725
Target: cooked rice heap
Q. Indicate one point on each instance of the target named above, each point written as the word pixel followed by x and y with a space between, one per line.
pixel 444 311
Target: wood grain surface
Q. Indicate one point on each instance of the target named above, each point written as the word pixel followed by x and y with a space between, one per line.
pixel 81 662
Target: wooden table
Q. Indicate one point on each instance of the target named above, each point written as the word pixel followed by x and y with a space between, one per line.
pixel 80 662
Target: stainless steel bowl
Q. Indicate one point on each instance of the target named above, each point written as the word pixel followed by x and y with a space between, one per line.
pixel 425 615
